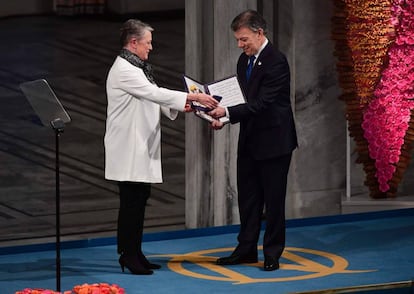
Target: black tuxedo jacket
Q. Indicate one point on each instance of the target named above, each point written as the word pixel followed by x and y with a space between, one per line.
pixel 267 127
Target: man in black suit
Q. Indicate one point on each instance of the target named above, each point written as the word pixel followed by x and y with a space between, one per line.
pixel 267 139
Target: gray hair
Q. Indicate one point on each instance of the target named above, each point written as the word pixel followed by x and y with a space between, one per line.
pixel 250 19
pixel 133 28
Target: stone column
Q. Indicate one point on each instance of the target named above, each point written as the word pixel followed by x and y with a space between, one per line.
pixel 199 65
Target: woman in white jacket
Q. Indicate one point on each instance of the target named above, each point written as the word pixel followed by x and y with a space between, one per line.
pixel 133 136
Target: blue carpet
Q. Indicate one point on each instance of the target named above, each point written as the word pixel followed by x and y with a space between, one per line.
pixel 342 252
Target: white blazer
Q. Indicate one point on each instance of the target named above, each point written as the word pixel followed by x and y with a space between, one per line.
pixel 133 135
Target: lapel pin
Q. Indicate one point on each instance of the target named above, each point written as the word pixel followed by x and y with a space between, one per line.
pixel 259 63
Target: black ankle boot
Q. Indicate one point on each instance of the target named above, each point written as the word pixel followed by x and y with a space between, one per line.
pixel 134 265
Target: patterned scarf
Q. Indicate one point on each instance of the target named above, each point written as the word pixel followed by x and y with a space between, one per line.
pixel 138 62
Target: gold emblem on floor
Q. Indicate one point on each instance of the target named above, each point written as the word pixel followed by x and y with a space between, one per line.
pixel 303 264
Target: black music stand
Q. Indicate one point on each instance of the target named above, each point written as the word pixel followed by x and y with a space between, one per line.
pixel 51 113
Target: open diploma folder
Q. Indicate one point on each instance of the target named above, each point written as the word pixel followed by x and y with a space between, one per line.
pixel 228 89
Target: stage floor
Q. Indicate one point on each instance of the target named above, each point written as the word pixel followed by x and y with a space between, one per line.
pixel 321 253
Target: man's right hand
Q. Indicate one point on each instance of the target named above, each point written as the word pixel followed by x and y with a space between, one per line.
pixel 217 112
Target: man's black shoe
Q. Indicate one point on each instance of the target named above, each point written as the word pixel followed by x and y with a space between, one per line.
pixel 270 263
pixel 236 259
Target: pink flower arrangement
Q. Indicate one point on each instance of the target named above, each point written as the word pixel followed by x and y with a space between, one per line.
pixel 102 288
pixel 40 291
pixel 386 119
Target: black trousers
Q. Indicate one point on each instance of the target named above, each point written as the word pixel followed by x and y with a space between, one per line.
pixel 262 186
pixel 133 198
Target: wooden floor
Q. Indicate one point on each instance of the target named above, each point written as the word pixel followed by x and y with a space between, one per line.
pixel 74 56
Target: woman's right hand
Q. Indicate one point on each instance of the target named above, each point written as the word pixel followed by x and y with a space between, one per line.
pixel 202 98
pixel 207 101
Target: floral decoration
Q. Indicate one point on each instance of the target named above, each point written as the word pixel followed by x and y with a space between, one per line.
pixel 375 51
pixel 101 288
pixel 40 291
pixel 387 118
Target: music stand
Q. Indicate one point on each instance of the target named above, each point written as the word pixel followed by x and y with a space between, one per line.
pixel 51 113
